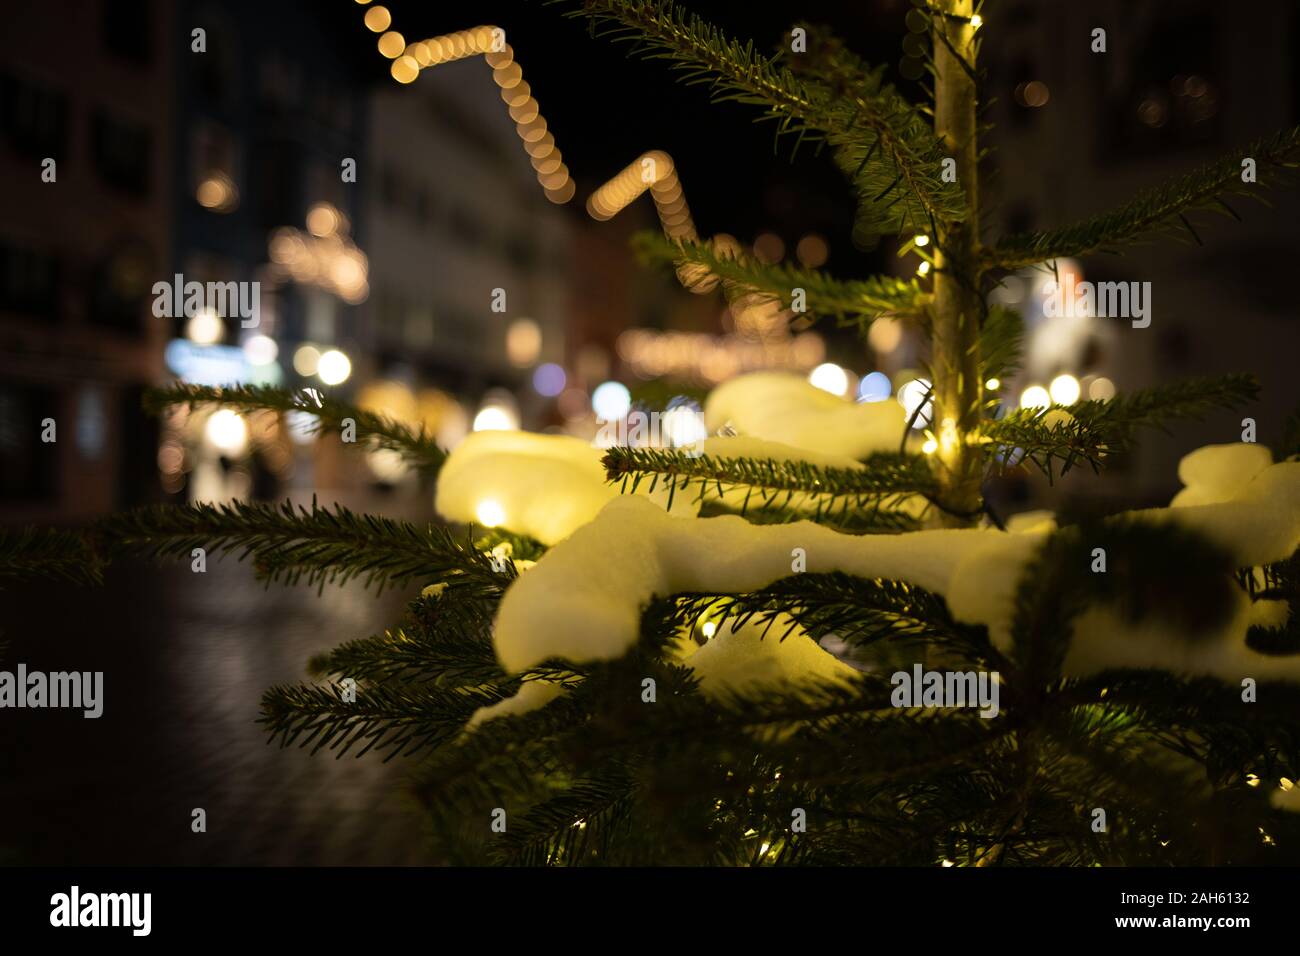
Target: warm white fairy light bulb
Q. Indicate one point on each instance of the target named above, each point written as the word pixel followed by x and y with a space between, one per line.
pixel 490 514
pixel 829 377
pixel 1035 396
pixel 913 396
pixel 1064 389
pixel 227 431
pixel 205 327
pixel 495 418
pixel 334 367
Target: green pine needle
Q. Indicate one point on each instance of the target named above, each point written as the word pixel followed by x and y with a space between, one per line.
pixel 1160 211
pixel 1095 431
pixel 328 414
pixel 48 553
pixel 318 544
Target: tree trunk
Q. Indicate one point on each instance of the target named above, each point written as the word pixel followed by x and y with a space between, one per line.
pixel 958 388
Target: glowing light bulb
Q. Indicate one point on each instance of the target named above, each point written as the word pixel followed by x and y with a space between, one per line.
pixel 709 629
pixel 523 342
pixel 885 334
pixel 306 360
pixel 1101 390
pixel 495 418
pixel 921 240
pixel 976 22
pixel 334 367
pixel 392 44
pixel 930 446
pixel 1064 390
pixel 829 377
pixel 993 384
pixel 227 431
pixel 875 387
pixel 911 396
pixel 405 69
pixel 490 514
pixel 611 401
pixel 682 426
pixel 205 327
pixel 261 350
pixel 1035 396
pixel 549 380
pixel 323 220
pixel 923 269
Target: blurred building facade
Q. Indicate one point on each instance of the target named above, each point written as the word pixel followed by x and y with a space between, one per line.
pixel 88 86
pixel 470 263
pixel 270 135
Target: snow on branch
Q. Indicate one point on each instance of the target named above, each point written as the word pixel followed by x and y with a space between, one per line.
pixel 877 490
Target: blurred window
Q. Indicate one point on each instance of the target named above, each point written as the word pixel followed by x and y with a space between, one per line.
pixel 29 281
pixel 128 29
pixel 122 290
pixel 521 253
pixel 279 179
pixel 216 70
pixel 26 464
pixel 121 152
pixel 33 118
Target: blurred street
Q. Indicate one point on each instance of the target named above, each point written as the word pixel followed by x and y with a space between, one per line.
pixel 186 658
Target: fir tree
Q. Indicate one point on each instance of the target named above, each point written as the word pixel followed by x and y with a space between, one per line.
pixel 625 758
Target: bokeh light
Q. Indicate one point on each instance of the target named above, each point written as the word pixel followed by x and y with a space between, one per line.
pixel 1064 390
pixel 334 367
pixel 611 401
pixel 227 431
pixel 260 350
pixel 911 396
pixel 205 327
pixel 875 387
pixel 1035 396
pixel 549 380
pixel 830 377
pixel 490 514
pixel 523 342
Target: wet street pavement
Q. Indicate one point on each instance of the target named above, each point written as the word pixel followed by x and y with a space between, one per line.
pixel 186 658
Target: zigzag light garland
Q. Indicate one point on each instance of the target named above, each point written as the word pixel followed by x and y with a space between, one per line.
pixel 654 170
pixel 489 41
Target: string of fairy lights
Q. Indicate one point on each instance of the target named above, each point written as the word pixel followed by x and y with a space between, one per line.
pixel 653 171
pixel 409 59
